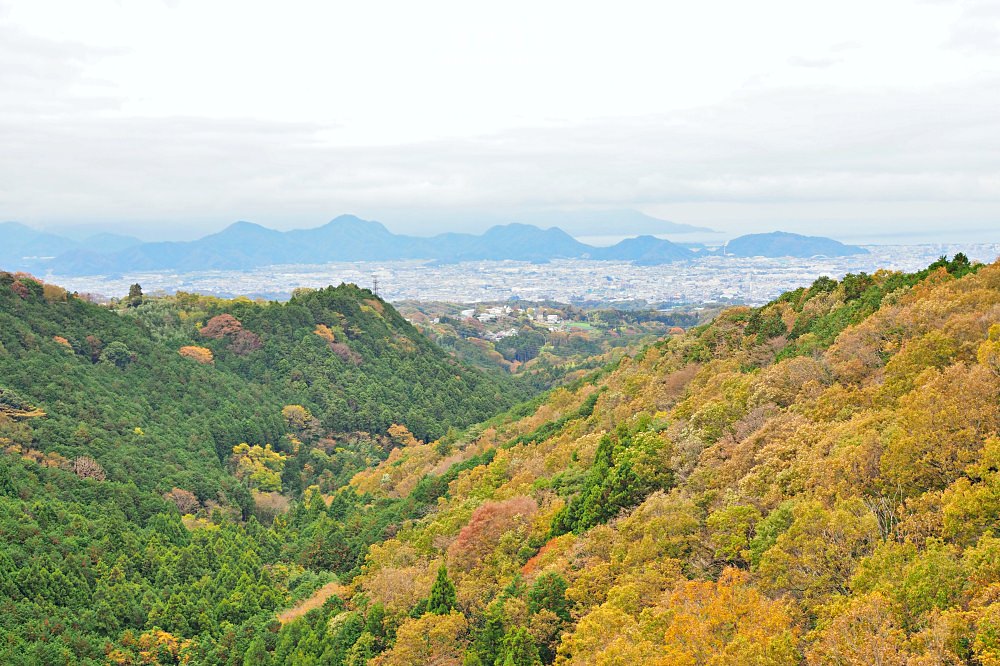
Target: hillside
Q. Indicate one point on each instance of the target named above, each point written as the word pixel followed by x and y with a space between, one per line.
pixel 644 251
pixel 149 385
pixel 115 424
pixel 808 482
pixel 24 246
pixel 813 481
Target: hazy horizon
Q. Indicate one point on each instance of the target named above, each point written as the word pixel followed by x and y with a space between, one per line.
pixel 585 234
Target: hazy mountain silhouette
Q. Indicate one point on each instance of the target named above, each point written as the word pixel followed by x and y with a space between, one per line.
pixel 245 245
pixel 784 244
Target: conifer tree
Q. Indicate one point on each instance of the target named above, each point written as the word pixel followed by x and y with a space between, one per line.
pixel 519 649
pixel 442 599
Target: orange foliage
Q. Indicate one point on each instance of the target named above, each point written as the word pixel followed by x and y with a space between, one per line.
pixel 401 435
pixel 552 549
pixel 202 355
pixel 323 331
pixel 432 639
pixel 727 622
pixel 341 349
pixel 50 459
pixel 486 525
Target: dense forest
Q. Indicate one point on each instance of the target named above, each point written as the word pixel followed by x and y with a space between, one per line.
pixel 814 481
pixel 114 424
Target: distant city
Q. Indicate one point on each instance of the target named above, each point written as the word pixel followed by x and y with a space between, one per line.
pixel 706 280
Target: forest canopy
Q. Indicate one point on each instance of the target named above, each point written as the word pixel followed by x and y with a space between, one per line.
pixel 809 482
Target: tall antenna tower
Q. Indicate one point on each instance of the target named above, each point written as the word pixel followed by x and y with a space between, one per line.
pixel 375 285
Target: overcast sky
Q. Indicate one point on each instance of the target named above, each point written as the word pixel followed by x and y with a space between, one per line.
pixel 173 119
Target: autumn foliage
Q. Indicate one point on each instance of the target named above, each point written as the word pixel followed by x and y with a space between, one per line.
pixel 486 525
pixel 815 481
pixel 221 326
pixel 185 500
pixel 86 467
pixel 201 355
pixel 341 349
pixel 809 482
pixel 259 466
pixel 241 341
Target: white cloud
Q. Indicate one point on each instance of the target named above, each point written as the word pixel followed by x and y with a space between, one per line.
pixel 196 114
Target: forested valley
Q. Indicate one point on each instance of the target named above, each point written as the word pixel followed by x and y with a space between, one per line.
pixel 191 480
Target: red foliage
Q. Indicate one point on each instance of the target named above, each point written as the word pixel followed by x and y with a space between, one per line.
pixel 220 326
pixel 245 342
pixel 532 564
pixel 486 525
pixel 95 347
pixel 346 354
pixel 20 289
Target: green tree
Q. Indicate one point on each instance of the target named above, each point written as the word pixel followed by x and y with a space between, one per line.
pixel 117 353
pixel 519 649
pixel 442 599
pixel 256 654
pixel 548 592
pixel 135 295
pixel 487 642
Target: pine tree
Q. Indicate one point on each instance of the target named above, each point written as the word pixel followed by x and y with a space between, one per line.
pixel 256 654
pixel 442 599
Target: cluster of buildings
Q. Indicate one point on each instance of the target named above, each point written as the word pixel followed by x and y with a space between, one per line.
pixel 710 279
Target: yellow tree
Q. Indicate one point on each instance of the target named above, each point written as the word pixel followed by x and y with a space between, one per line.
pixel 438 640
pixel 989 351
pixel 259 466
pixel 858 632
pixel 727 622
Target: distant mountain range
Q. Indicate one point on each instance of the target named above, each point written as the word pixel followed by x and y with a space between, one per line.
pixel 21 246
pixel 349 238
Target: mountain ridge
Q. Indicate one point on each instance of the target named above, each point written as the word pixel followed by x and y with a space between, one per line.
pixel 244 245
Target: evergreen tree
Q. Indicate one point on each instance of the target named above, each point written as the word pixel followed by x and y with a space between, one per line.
pixel 487 642
pixel 135 295
pixel 519 649
pixel 549 592
pixel 256 654
pixel 442 599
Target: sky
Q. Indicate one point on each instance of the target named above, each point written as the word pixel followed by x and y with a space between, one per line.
pixel 170 120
